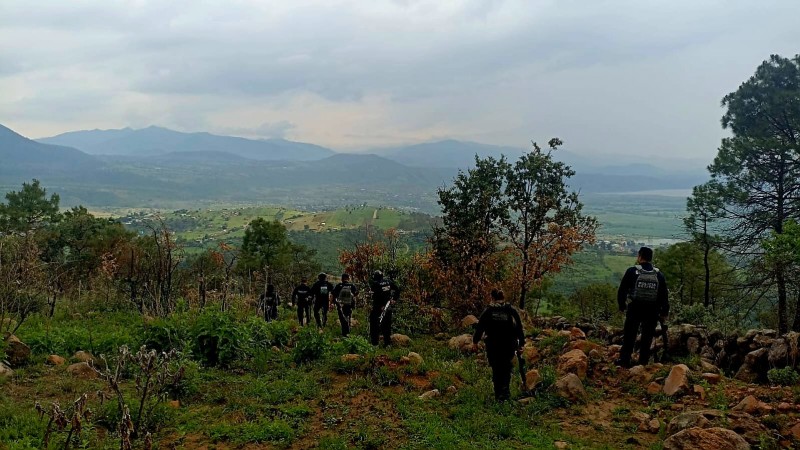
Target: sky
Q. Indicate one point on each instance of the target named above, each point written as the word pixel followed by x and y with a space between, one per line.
pixel 635 78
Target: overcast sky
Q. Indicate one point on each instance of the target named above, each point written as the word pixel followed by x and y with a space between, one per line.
pixel 633 77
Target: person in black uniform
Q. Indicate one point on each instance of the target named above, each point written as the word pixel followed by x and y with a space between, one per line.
pixel 321 291
pixel 501 324
pixel 344 295
pixel 301 296
pixel 646 287
pixel 269 303
pixel 384 293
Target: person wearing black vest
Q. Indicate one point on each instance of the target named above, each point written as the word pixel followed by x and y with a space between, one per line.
pixel 301 296
pixel 345 301
pixel 501 324
pixel 384 293
pixel 646 288
pixel 269 301
pixel 321 291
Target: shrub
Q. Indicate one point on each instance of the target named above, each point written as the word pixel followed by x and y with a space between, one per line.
pixel 263 335
pixel 783 377
pixel 354 344
pixel 217 339
pixel 311 345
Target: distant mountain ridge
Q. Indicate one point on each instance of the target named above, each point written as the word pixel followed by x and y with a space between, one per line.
pixel 158 141
pixel 22 156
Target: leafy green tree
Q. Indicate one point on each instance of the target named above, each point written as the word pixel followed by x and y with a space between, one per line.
pixel 756 174
pixel 596 301
pixel 28 209
pixel 265 244
pixel 705 210
pixel 684 265
pixel 544 221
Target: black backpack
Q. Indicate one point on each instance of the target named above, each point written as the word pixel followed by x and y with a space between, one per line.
pixel 645 288
pixel 346 295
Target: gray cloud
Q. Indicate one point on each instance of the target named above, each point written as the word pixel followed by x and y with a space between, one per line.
pixel 639 77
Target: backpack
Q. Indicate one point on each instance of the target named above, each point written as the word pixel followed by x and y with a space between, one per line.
pixel 346 295
pixel 645 289
pixel 271 299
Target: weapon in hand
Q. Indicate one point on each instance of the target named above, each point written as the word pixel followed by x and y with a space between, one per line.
pixel 383 313
pixel 521 367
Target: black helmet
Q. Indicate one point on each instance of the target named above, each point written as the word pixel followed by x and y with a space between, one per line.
pixel 322 275
pixel 377 275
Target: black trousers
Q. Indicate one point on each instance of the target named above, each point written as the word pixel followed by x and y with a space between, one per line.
pixel 321 306
pixel 642 317
pixel 502 365
pixel 345 313
pixel 376 328
pixel 304 313
pixel 271 313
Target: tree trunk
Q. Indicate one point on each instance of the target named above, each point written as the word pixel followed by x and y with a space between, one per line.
pixel 783 314
pixel 523 286
pixel 707 286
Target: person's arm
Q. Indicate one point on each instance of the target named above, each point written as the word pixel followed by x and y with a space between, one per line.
pixel 294 294
pixel 336 291
pixel 520 331
pixel 480 327
pixel 395 291
pixel 624 288
pixel 663 296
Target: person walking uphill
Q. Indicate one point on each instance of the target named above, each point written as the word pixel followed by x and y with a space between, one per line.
pixel 321 291
pixel 269 302
pixel 646 288
pixel 384 293
pixel 301 296
pixel 501 324
pixel 344 295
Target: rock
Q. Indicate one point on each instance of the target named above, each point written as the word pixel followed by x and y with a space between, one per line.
pixel 576 333
pixel 5 371
pixel 595 355
pixel 692 419
pixel 778 354
pixel 55 360
pixel 82 370
pixel 530 354
pixel 275 349
pixel 405 360
pixel 795 431
pixel 452 389
pixel 574 361
pixel 707 367
pixel 532 378
pixel 430 394
pixel 653 388
pixel 468 321
pixel 752 405
pixel 400 340
pixel 653 426
pixel 707 353
pixel 461 343
pixel 747 426
pixel 693 345
pixel 82 356
pixel 785 407
pixel 560 445
pixel 350 357
pixel 700 391
pixel 585 346
pixel 755 366
pixel 706 439
pixel 17 352
pixel 415 358
pixel 570 387
pixel 678 380
pixel 643 374
pixel 174 404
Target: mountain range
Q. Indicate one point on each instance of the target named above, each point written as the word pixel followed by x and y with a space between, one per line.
pixel 159 167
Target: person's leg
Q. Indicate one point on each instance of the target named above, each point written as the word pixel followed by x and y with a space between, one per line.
pixel 342 319
pixel 317 307
pixel 300 310
pixel 374 331
pixel 325 314
pixel 348 313
pixel 387 328
pixel 501 377
pixel 629 337
pixel 648 331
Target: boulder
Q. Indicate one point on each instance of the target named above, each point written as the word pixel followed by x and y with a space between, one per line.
pixel 747 426
pixel 574 361
pixel 415 358
pixel 430 394
pixel 700 391
pixel 706 439
pixel 55 360
pixel 532 378
pixel 5 371
pixel 174 404
pixel 693 419
pixel 576 333
pixel 570 388
pixel 585 346
pixel 82 370
pixel 643 374
pixel 400 340
pixel 707 367
pixel 461 343
pixel 17 352
pixel 82 356
pixel 752 405
pixel 653 388
pixel 693 345
pixel 778 354
pixel 677 381
pixel 530 354
pixel 468 321
pixel 452 389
